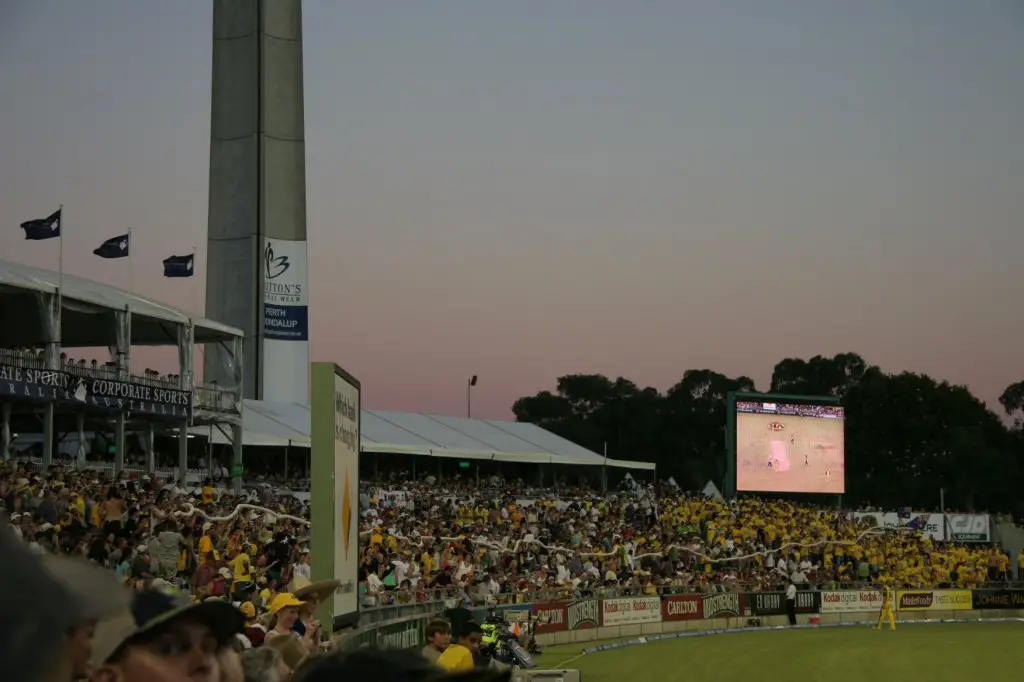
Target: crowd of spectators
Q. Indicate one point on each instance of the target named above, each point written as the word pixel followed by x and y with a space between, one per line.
pixel 461 542
pixel 478 543
pixel 497 542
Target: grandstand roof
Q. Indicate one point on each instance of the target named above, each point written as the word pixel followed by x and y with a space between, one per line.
pixel 85 296
pixel 414 433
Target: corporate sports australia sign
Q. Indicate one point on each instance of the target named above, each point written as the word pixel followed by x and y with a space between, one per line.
pixel 48 385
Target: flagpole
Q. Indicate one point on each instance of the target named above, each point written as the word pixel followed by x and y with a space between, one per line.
pixel 60 277
pixel 195 314
pixel 195 287
pixel 131 247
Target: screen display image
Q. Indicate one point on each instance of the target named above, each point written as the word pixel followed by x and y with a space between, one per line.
pixel 790 448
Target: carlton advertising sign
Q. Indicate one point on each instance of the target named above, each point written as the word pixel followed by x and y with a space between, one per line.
pixel 682 607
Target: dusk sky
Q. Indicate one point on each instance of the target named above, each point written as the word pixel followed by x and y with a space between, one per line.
pixel 525 189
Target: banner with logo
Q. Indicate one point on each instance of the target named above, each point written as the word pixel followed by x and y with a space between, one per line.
pixel 285 374
pixel 334 496
pixel 681 607
pixel 968 527
pixel 45 385
pixel 934 600
pixel 583 615
pixel 851 601
pixel 725 605
pixel 408 634
pixel 550 617
pixel 930 525
pixel 630 610
pixel 774 603
pixel 997 599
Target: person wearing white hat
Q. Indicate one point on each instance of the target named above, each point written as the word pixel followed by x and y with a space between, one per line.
pixel 16 525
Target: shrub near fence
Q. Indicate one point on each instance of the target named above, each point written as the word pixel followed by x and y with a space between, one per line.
pixel 592 619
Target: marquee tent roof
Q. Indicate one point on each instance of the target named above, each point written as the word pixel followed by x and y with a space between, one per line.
pixel 283 424
pixel 87 296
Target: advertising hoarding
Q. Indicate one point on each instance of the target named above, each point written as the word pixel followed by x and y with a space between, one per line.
pixel 630 610
pixel 285 362
pixel 334 466
pixel 851 601
pixel 774 603
pixel 934 600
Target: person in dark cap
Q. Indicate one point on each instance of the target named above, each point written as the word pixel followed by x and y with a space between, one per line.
pixel 164 636
pixel 387 665
pixel 55 599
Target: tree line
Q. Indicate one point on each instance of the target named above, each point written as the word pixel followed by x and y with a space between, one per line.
pixel 907 434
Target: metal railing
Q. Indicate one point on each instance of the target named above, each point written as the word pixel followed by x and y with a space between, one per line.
pixel 35 359
pixel 217 399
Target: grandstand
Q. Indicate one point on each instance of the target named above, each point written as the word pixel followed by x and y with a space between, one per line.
pixel 43 383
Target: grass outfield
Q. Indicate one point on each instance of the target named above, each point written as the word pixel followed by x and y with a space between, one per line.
pixel 932 652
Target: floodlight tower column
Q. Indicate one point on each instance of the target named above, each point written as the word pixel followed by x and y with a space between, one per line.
pixel 182 453
pixel 257 279
pixel 119 444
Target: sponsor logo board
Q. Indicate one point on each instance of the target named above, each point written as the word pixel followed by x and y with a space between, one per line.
pixel 774 603
pixel 997 599
pixel 630 610
pixel 48 385
pixel 930 525
pixel 967 527
pixel 583 615
pixel 682 607
pixel 550 617
pixel 726 605
pixel 852 601
pixel 934 600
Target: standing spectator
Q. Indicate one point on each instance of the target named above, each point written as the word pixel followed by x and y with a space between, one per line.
pixel 791 602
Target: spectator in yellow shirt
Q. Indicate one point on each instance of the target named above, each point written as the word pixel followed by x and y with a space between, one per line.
pixel 460 656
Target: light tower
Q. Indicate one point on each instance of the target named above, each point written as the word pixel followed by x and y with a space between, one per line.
pixel 257 276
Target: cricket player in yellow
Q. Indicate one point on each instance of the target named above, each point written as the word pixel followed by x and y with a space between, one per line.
pixel 888 609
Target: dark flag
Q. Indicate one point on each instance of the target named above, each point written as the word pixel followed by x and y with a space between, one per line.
pixel 42 228
pixel 179 266
pixel 115 247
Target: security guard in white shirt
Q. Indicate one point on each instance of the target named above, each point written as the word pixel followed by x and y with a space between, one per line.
pixel 791 602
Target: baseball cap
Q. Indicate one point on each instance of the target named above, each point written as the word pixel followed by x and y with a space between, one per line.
pixel 51 595
pixel 155 607
pixel 283 601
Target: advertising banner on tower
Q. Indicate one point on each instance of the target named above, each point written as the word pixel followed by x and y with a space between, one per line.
pixel 334 467
pixel 285 372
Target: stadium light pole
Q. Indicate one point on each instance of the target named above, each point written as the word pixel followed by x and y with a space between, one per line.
pixel 470 383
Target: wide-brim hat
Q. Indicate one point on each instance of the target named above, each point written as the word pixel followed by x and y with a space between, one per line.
pixel 155 607
pixel 320 590
pixel 293 651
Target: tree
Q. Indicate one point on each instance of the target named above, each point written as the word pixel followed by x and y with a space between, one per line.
pixel 908 436
pixel 819 376
pixel 693 421
pixel 1012 401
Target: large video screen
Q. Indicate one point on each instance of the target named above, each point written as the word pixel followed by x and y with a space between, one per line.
pixel 790 448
